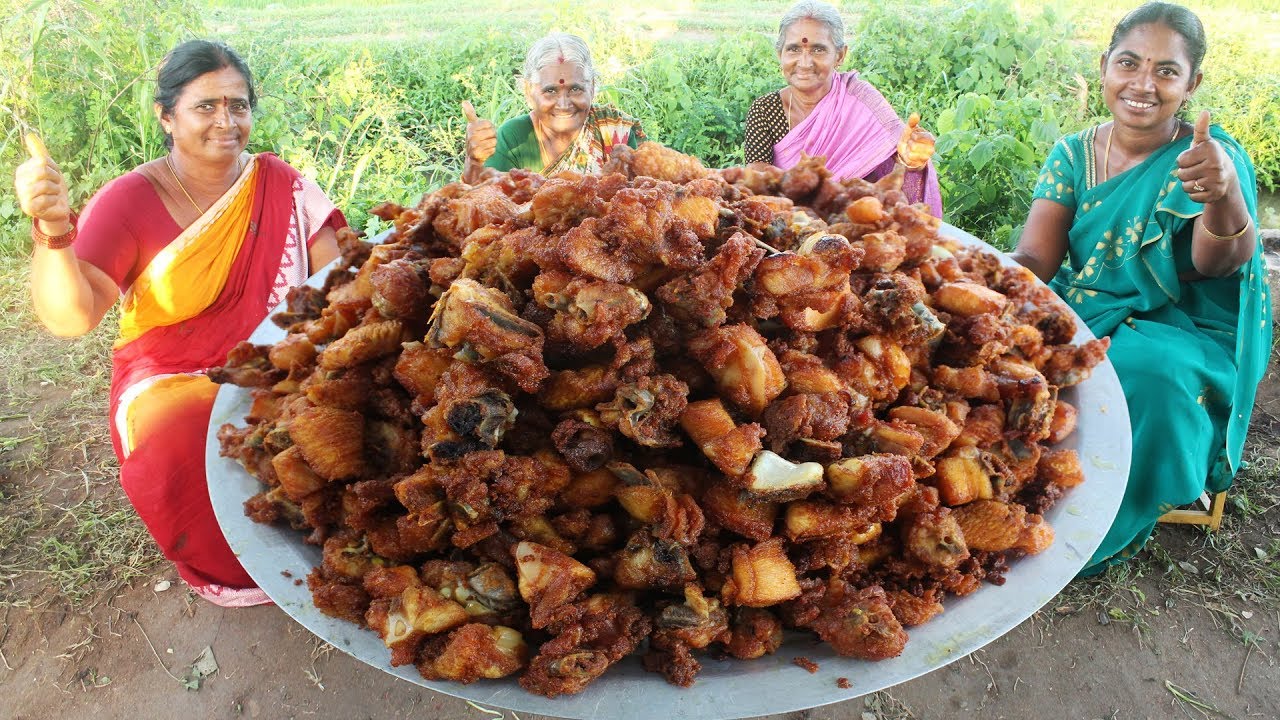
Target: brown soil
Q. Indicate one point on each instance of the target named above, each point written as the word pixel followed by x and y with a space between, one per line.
pixel 129 658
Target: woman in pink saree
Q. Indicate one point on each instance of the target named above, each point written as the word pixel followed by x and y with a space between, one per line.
pixel 833 114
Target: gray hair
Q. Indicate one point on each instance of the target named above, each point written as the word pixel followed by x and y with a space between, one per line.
pixel 554 48
pixel 818 12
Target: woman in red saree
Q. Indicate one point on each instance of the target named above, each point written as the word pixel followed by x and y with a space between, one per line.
pixel 833 114
pixel 198 245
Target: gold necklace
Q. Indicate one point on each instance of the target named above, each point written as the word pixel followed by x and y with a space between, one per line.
pixel 199 210
pixel 790 96
pixel 1106 156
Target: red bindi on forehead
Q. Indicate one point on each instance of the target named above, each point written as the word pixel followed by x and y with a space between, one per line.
pixel 804 40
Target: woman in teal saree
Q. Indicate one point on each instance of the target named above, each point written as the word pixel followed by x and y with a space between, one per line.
pixel 1157 222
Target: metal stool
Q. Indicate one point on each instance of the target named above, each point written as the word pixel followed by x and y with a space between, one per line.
pixel 1211 517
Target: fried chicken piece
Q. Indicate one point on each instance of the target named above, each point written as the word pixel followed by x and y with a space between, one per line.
pixel 1060 467
pixel 730 447
pixel 739 512
pixel 587 313
pixel 331 441
pixel 297 479
pixel 362 344
pixel 695 624
pixel 701 297
pixel 654 160
pixel 877 368
pixel 937 429
pixel 744 368
pixel 418 369
pixel 872 485
pixel 659 501
pixel 548 579
pixel 802 181
pixel 815 416
pixel 755 632
pixel 963 476
pixel 584 387
pixel 589 637
pixel 302 303
pixel 911 609
pixel 648 562
pixel 1071 364
pixel 334 597
pixel 858 623
pixel 480 323
pixel 995 526
pixel 566 200
pixel 472 652
pixel 248 365
pixel 1030 399
pixel 762 575
pixel 647 410
pixel 587 250
pixel 643 222
pixel 474 209
pixel 585 447
pixel 934 539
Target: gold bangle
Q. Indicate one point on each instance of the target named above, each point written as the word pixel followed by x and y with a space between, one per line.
pixel 1248 223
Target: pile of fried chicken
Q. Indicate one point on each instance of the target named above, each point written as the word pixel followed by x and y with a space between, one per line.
pixel 551 418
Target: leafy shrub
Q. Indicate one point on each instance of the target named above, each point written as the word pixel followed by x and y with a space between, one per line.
pixel 376 119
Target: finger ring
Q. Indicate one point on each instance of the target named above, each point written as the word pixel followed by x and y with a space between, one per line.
pixel 1197 187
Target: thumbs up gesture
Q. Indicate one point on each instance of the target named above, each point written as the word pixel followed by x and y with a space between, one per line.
pixel 482 138
pixel 1207 174
pixel 916 145
pixel 41 190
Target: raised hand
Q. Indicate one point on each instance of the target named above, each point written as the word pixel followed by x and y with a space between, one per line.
pixel 41 190
pixel 916 145
pixel 482 137
pixel 1207 174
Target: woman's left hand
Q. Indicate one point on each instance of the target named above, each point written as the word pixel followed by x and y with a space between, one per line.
pixel 916 145
pixel 1207 174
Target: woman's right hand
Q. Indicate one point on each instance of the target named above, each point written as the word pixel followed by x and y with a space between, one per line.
pixel 41 189
pixel 916 145
pixel 482 137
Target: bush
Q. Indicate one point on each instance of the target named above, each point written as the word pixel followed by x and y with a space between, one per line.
pixel 373 119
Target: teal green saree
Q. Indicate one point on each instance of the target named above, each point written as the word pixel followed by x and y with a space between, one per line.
pixel 1189 354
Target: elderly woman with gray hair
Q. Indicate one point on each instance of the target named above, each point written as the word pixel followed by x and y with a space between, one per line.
pixel 838 115
pixel 564 130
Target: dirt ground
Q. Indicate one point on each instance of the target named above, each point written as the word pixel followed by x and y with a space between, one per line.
pixel 1163 654
pixel 138 664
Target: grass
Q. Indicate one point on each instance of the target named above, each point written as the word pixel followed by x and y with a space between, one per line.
pixel 68 534
pixel 1226 572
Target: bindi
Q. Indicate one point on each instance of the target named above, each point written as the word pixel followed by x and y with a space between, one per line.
pixel 804 40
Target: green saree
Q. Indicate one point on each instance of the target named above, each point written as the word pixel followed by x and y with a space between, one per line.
pixel 604 127
pixel 1189 354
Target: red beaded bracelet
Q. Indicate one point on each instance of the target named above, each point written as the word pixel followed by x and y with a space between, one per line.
pixel 54 242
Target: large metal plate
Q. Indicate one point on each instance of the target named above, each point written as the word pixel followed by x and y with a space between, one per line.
pixel 725 689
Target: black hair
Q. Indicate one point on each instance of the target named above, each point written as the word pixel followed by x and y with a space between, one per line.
pixel 1175 17
pixel 190 60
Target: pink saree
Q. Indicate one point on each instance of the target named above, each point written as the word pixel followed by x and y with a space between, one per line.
pixel 857 131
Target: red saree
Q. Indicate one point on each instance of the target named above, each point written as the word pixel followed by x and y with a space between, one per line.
pixel 204 292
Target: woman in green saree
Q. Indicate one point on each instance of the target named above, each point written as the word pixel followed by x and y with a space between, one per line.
pixel 564 129
pixel 1157 222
